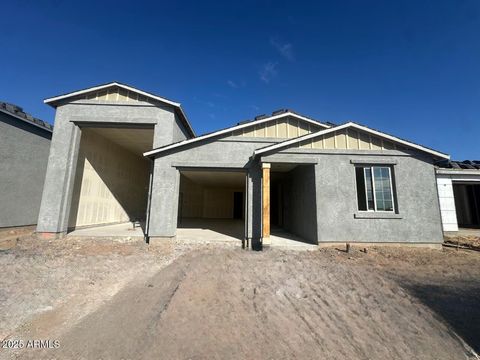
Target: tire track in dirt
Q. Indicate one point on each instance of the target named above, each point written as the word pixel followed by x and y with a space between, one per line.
pixel 234 304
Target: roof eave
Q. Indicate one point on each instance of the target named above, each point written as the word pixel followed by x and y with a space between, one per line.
pixel 229 129
pixel 54 101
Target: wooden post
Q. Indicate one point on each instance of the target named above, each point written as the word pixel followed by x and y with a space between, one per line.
pixel 266 204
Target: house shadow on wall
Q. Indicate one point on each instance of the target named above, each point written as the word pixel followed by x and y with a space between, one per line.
pixel 457 304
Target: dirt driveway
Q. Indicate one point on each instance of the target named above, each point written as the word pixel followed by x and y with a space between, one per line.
pixel 215 303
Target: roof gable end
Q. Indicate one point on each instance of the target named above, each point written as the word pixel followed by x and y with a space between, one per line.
pixel 118 92
pixel 350 136
pixel 243 129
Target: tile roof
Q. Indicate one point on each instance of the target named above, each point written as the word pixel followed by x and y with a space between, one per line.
pixel 18 112
pixel 466 164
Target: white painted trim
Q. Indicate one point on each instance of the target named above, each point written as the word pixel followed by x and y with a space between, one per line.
pixel 356 126
pixel 230 129
pixel 101 87
pixel 372 183
pixel 458 172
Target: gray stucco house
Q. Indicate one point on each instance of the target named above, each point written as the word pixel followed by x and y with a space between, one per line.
pixel 24 149
pixel 120 154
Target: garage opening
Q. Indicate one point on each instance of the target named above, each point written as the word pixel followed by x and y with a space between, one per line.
pixel 211 205
pixel 467 204
pixel 293 211
pixel 111 181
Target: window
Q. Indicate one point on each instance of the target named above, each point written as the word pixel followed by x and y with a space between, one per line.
pixel 374 188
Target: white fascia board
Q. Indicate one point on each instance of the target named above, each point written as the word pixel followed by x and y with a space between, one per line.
pixel 356 126
pixel 101 87
pixel 230 129
pixel 458 172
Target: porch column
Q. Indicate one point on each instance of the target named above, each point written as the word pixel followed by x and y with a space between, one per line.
pixel 266 203
pixel 60 176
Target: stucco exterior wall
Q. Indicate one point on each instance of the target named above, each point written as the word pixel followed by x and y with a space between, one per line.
pixel 57 194
pixel 179 132
pixel 228 152
pixel 111 183
pixel 338 218
pixel 24 152
pixel 418 218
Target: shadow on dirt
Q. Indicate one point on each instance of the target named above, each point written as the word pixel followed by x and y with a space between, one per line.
pixel 458 305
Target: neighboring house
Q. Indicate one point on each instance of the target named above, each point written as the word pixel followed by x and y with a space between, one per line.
pixel 119 153
pixel 459 194
pixel 24 148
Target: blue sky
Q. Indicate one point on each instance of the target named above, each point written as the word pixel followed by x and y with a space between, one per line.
pixel 409 68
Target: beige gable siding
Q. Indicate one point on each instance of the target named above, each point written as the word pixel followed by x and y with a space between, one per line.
pixel 114 94
pixel 349 139
pixel 286 128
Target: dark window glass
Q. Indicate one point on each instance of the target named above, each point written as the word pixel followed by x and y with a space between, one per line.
pixel 374 188
pixel 362 201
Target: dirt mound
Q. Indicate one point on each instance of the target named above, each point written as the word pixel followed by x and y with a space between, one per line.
pixel 234 304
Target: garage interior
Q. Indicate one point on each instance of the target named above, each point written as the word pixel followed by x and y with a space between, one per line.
pixel 293 203
pixel 212 200
pixel 467 204
pixel 111 179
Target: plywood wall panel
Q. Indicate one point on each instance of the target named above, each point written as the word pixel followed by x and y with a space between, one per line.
pixel 110 183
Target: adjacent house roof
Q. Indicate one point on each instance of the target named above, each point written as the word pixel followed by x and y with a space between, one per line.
pixel 258 120
pixel 395 139
pixel 56 100
pixel 459 165
pixel 17 112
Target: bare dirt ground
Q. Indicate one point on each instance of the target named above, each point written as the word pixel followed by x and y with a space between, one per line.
pixel 60 281
pixel 212 302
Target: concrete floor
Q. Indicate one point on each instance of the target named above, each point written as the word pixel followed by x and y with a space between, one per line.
pixel 464 232
pixel 210 230
pixel 199 230
pixel 116 230
pixel 229 230
pixel 281 238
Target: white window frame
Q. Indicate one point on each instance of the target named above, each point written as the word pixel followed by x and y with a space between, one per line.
pixel 372 174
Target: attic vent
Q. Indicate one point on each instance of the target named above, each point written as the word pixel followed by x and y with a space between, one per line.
pixel 260 117
pixel 243 122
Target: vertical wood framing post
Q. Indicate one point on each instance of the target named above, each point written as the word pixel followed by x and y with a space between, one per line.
pixel 266 203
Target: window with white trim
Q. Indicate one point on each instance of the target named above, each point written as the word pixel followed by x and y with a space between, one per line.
pixel 375 188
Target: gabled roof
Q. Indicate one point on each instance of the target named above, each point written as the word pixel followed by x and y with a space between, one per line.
pixel 233 128
pixel 54 101
pixel 395 139
pixel 17 112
